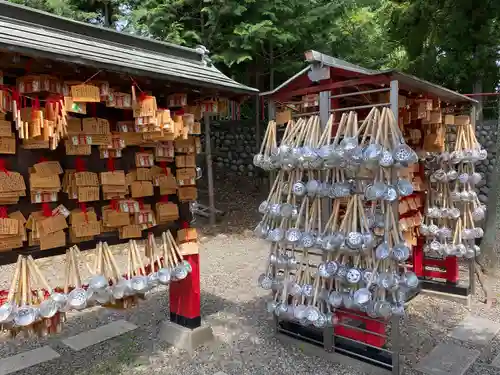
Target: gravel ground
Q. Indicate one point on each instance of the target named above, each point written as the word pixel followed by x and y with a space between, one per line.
pixel 245 342
pixel 234 307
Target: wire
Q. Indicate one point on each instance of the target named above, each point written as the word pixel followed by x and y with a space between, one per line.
pixel 135 83
pixel 91 77
pixel 484 94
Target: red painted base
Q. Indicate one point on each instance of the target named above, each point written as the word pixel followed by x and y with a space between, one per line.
pixel 373 331
pixel 185 295
pixel 447 268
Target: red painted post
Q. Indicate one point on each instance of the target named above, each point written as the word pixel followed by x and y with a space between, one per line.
pixel 185 294
pixel 418 258
pixel 451 264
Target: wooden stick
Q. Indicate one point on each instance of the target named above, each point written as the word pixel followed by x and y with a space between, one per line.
pixel 177 251
pixel 100 258
pixel 135 265
pixel 156 251
pixel 173 247
pixel 79 253
pixel 113 260
pixel 367 126
pixel 36 271
pixel 166 253
pixel 96 260
pixel 109 271
pixel 76 269
pixel 264 140
pixel 139 258
pixel 67 269
pixel 129 263
pixel 24 283
pixel 15 279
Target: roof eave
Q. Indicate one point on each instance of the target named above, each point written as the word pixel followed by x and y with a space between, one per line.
pixel 286 83
pixel 236 89
pixel 334 62
pixel 440 91
pixel 44 19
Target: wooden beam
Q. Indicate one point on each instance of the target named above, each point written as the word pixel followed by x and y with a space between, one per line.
pixel 378 79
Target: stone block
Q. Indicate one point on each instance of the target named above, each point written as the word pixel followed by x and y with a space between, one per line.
pixel 447 359
pixel 476 330
pixel 97 335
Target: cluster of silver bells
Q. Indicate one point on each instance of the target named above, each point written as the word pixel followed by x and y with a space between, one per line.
pixel 347 154
pixel 98 292
pixel 452 175
pixel 478 213
pixel 353 296
pixel 314 188
pixel 463 156
pixel 467 249
pixel 343 242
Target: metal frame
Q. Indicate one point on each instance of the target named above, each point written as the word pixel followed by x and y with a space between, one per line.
pixel 382 82
pixel 376 358
pixel 339 348
pixel 333 343
pixel 393 86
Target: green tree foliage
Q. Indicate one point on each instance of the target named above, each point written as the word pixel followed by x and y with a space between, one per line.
pixel 92 11
pixel 451 42
pixel 261 42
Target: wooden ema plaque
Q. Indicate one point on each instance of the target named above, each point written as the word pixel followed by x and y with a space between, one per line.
pixel 45 180
pixel 188 241
pixel 85 94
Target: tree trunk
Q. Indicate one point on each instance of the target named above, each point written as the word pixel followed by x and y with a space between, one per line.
pixel 202 27
pixel 107 14
pixel 490 245
pixel 478 88
pixel 271 65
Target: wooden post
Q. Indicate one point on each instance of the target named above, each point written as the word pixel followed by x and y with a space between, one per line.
pixel 210 174
pixel 257 121
pixel 324 115
pixel 271 109
pixel 271 112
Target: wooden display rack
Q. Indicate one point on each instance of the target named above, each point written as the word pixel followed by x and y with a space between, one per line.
pixel 100 128
pixel 338 86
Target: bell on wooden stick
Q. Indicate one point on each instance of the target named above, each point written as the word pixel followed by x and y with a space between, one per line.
pixel 111 293
pixel 98 281
pixel 154 261
pixel 48 306
pixel 48 309
pixel 26 314
pixel 139 282
pixel 77 297
pixel 103 295
pixel 165 272
pixel 122 286
pixel 9 308
pixel 182 267
pixel 263 158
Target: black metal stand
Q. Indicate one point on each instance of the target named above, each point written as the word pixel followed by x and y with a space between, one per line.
pixel 347 350
pixel 447 287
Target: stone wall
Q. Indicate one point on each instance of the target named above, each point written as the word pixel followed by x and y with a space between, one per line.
pixel 486 133
pixel 233 146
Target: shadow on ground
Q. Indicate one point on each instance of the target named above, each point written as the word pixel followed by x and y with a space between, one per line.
pixel 238 199
pixel 244 343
